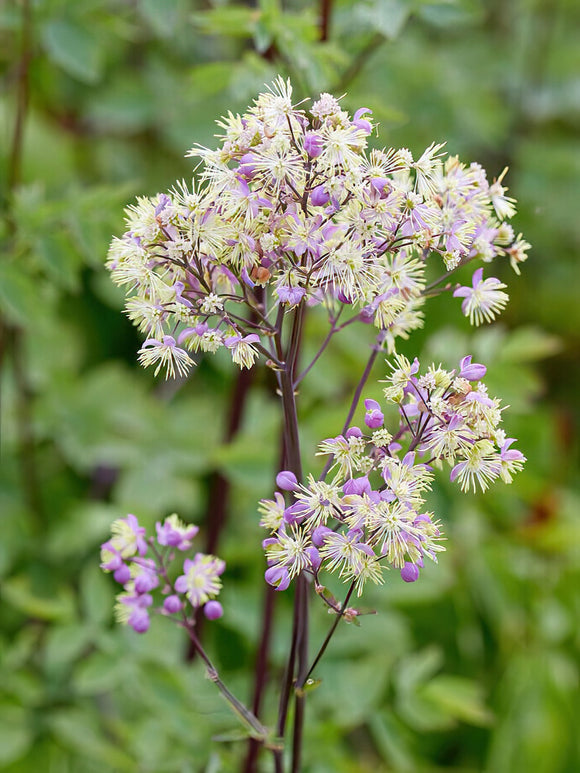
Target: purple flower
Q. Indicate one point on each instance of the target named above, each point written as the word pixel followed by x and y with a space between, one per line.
pixel 277 577
pixel 319 535
pixel 128 538
pixel 132 610
pixel 296 513
pixel 174 533
pixel 290 295
pixel 353 432
pixel 200 580
pixel 471 371
pixel 362 123
pixel 358 486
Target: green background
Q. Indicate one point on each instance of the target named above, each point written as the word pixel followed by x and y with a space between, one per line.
pixel 473 668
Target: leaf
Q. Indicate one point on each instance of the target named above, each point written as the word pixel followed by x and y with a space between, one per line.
pixel 79 730
pixel 74 49
pixel 15 733
pixel 96 596
pixel 18 294
pixel 19 592
pixel 229 21
pixel 98 673
pixel 64 644
pixel 61 260
pixel 458 697
pixel 385 16
pixel 528 344
pixel 211 77
pixel 162 15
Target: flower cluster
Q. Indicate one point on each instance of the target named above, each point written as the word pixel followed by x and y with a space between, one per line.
pixel 371 515
pixel 141 565
pixel 294 208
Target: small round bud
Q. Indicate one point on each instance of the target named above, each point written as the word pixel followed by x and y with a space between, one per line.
pixel 410 572
pixel 286 480
pixel 122 574
pixel 172 604
pixel 213 610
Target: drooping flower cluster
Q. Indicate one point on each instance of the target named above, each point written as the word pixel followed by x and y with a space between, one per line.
pixel 371 515
pixel 294 208
pixel 141 565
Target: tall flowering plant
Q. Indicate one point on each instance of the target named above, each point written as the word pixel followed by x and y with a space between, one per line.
pixel 293 210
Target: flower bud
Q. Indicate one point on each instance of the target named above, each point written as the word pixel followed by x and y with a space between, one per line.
pixel 172 604
pixel 410 572
pixel 286 480
pixel 213 610
pixel 313 144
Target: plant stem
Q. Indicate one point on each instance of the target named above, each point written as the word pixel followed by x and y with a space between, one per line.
pixel 325 13
pixel 248 718
pixel 376 348
pixel 329 636
pixel 219 485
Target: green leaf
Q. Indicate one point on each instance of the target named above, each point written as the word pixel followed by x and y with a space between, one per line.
pixel 15 734
pixel 74 49
pixel 458 697
pixel 96 595
pixel 388 17
pixel 98 673
pixel 19 592
pixel 64 644
pixel 162 15
pixel 529 344
pixel 18 294
pixel 211 77
pixel 79 730
pixel 229 21
pixel 61 260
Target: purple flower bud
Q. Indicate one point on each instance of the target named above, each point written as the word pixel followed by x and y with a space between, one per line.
pixel 122 574
pixel 213 610
pixel 410 572
pixel 374 417
pixel 172 604
pixel 319 197
pixel 471 371
pixel 139 620
pixel 286 480
pixel 146 580
pixel 353 432
pixel 313 144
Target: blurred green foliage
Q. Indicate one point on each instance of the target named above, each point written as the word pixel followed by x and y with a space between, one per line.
pixel 475 668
